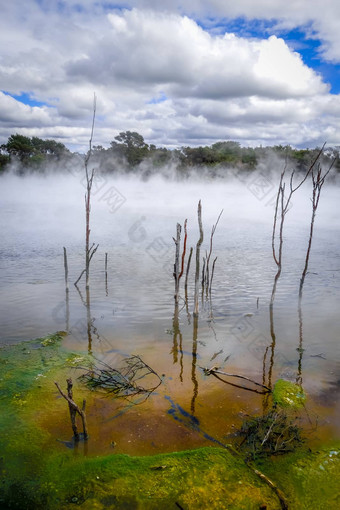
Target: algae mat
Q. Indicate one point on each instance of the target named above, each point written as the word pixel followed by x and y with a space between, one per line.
pixel 36 473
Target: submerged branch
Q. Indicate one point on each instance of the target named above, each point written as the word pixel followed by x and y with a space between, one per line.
pixel 216 372
pixel 121 382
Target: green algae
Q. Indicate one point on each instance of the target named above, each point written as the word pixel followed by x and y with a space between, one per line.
pixel 288 395
pixel 310 480
pixel 205 478
pixel 36 474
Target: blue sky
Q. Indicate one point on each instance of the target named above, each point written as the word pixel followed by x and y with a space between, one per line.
pixel 188 73
pixel 300 39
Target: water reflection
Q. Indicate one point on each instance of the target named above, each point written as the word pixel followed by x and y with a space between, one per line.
pixel 193 364
pixel 143 311
pixel 89 319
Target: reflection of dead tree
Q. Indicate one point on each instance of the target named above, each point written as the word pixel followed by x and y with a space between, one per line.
pixel 89 250
pixel 123 382
pixel 74 409
pixel 193 364
pixel 177 341
pixel 67 292
pixel 198 251
pixel 216 372
pixel 89 319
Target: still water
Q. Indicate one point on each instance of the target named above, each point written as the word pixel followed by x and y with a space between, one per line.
pixel 132 304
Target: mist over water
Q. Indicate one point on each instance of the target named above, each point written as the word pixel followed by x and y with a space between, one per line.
pixel 134 221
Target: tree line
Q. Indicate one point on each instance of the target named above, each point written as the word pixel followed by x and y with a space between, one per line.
pixel 128 152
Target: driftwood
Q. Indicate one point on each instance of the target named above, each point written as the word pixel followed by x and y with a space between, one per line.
pixel 74 409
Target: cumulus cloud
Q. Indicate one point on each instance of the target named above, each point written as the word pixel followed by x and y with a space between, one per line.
pixel 157 71
pixel 148 48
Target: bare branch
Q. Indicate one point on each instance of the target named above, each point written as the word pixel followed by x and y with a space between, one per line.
pixel 73 408
pixel 198 249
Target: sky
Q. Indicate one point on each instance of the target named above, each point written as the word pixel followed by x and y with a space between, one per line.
pixel 186 73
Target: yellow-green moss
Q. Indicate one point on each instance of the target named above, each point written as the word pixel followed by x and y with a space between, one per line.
pixel 288 395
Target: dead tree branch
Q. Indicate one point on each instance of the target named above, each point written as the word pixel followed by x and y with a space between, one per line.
pixel 176 273
pixel 74 409
pixel 89 251
pixel 198 251
pixel 188 268
pixel 184 249
pixel 318 181
pixel 207 282
pixel 212 274
pixel 122 382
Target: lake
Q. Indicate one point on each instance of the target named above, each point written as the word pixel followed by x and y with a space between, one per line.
pixel 132 310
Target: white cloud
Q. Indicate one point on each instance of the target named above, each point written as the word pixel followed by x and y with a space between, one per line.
pixel 212 86
pixel 15 114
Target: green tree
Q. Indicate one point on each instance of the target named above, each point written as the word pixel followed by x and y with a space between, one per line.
pixel 34 151
pixel 19 146
pixel 132 146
